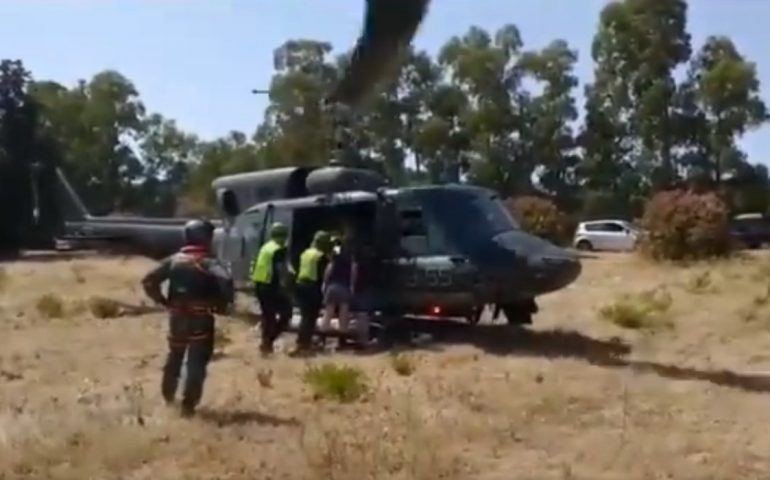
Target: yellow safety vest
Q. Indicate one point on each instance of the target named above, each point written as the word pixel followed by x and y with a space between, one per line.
pixel 262 268
pixel 308 265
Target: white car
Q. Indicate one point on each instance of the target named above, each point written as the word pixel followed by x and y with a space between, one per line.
pixel 612 235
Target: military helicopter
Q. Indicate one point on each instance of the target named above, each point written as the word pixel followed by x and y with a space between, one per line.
pixel 440 251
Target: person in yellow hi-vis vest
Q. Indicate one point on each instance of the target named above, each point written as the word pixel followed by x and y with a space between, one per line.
pixel 271 274
pixel 312 265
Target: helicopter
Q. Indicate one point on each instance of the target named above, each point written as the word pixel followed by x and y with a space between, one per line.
pixel 439 250
pixel 442 251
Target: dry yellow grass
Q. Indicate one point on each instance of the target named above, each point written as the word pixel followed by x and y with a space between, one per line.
pixel 79 396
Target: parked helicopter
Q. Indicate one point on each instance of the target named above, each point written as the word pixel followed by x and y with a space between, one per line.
pixel 440 250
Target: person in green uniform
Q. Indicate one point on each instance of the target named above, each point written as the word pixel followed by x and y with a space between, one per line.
pixel 270 274
pixel 312 265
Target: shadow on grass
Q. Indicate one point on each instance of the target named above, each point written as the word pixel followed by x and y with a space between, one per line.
pixel 610 353
pixel 227 418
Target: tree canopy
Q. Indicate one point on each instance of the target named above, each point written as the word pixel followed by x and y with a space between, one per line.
pixel 486 109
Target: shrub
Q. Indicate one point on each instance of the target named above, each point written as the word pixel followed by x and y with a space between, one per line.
pixel 342 383
pixel 101 307
pixel 50 306
pixel 643 311
pixel 541 217
pixel 682 225
pixel 403 364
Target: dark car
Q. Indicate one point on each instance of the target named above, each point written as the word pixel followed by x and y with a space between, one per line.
pixel 751 229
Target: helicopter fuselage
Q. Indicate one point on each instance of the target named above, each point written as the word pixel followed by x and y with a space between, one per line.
pixel 437 251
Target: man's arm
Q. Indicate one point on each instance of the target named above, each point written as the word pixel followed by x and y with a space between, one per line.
pixel 153 280
pixel 224 282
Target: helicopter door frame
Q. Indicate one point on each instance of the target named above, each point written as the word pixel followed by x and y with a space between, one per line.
pixel 267 220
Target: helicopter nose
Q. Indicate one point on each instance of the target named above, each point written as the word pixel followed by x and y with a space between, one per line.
pixel 555 268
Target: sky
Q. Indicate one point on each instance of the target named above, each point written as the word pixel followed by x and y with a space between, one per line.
pixel 197 60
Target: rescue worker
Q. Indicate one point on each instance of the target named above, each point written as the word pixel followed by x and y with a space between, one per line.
pixel 270 274
pixel 198 287
pixel 312 265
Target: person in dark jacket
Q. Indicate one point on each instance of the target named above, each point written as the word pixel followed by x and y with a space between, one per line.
pixel 364 302
pixel 338 286
pixel 198 288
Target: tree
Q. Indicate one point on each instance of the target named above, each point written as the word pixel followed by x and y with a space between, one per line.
pixel 225 156
pixel 726 91
pixel 628 137
pixel 485 70
pixel 18 132
pixel 297 129
pixel 97 123
pixel 547 130
pixel 167 156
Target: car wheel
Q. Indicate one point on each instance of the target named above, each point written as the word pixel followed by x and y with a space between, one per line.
pixel 584 245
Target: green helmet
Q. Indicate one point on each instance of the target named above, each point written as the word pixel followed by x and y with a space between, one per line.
pixel 322 240
pixel 278 231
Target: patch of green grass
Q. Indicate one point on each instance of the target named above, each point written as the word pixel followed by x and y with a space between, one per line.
pixel 342 383
pixel 50 306
pixel 403 364
pixel 645 311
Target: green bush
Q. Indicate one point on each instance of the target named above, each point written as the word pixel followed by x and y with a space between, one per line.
pixel 104 308
pixel 643 311
pixel 50 306
pixel 541 217
pixel 342 383
pixel 403 364
pixel 681 225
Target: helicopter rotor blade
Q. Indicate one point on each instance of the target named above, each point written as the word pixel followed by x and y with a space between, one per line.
pixel 389 27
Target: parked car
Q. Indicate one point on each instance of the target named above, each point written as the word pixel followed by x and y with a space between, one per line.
pixel 751 230
pixel 610 235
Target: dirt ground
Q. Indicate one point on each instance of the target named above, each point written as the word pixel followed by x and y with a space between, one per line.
pixel 587 394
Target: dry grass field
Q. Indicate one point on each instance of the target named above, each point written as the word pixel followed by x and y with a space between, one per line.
pixel 635 372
